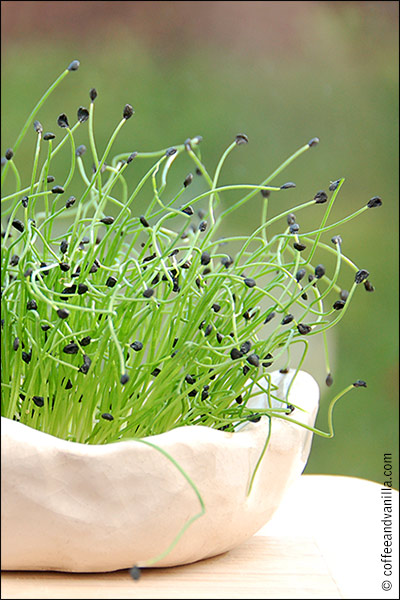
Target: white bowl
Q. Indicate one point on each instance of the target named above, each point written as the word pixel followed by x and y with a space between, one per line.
pixel 92 508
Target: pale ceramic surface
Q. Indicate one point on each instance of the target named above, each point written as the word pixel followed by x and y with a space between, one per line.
pixel 76 507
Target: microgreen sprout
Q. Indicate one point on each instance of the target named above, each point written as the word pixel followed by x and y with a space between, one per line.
pixel 126 316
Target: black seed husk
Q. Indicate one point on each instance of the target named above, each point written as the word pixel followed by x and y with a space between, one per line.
pixel 254 418
pixel 269 317
pixel 303 329
pixel 70 202
pixel 245 347
pixel 321 197
pixel 336 240
pixel 319 271
pixel 344 294
pixel 265 193
pixel 313 142
pixel 127 112
pixel 63 313
pixel 135 573
pixel 216 307
pixel 16 344
pixel 246 369
pixel 62 120
pixel 334 184
pixel 63 246
pixel 38 400
pixel 250 282
pixel 83 114
pixel 26 356
pixel 368 286
pixel 68 290
pixel 111 281
pixel 227 261
pixel 374 202
pixel 107 220
pixel 9 153
pixel 170 151
pixel 208 330
pixel 288 185
pixel 57 189
pixel 131 157
pixel 361 276
pixel 188 180
pixel 80 151
pixel 254 360
pixel 49 136
pixel 71 348
pixel 299 247
pixel 14 260
pixel 42 265
pixel 294 228
pixel 300 274
pixel 339 304
pixel 17 224
pixel 82 288
pixel 188 210
pixel 74 66
pixel 31 305
pixel 287 319
pixel 291 219
pixel 205 258
pixel 38 127
pixel 156 372
pixel 25 200
pixel 360 383
pixel 203 226
pixel 107 417
pixel 236 354
pixel 124 379
pixel 144 221
pixel 136 346
pixel 93 94
pixel 86 364
pixel 329 380
pixel 85 341
pixel 241 138
pixel 220 337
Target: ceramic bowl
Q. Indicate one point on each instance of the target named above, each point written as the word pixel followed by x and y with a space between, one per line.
pixel 92 508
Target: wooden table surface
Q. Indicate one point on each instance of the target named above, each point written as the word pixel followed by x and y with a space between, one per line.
pixel 324 541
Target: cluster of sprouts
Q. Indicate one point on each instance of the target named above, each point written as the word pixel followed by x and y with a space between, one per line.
pixel 125 314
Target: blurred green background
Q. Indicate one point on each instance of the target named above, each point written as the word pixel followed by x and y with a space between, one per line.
pixel 281 72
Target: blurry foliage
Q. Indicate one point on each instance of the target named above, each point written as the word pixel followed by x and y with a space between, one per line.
pixel 339 83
